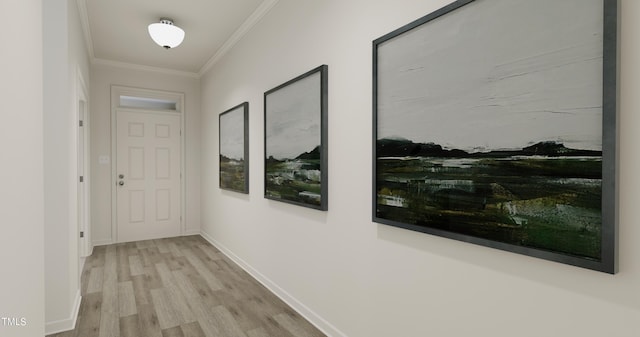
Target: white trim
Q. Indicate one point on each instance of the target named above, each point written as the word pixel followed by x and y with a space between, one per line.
pixel 101 243
pixel 315 319
pixel 178 97
pixel 191 232
pixel 65 324
pixel 246 26
pixel 132 66
pixel 86 29
pixel 82 95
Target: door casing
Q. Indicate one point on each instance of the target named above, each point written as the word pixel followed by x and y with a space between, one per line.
pixel 116 92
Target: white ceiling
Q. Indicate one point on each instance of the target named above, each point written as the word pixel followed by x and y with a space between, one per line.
pixel 116 30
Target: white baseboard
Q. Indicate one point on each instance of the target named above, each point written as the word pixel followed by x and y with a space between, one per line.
pixel 191 232
pixel 65 324
pixel 302 309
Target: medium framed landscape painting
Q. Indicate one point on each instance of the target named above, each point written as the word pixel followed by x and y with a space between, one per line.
pixel 234 148
pixel 295 147
pixel 494 123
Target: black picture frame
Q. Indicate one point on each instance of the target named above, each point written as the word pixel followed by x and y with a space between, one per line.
pixel 233 147
pixel 295 140
pixel 483 73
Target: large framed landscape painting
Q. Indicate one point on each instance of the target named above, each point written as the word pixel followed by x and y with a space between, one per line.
pixel 494 123
pixel 295 147
pixel 234 148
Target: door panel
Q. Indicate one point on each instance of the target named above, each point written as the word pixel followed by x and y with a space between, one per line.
pixel 148 175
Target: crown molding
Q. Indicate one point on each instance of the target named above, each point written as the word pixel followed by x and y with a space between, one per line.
pixel 246 26
pixel 139 67
pixel 84 22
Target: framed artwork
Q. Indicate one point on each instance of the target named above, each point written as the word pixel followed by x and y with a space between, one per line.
pixel 295 145
pixel 234 148
pixel 494 123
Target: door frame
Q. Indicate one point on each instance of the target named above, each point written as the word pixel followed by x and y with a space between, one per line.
pixel 85 245
pixel 116 92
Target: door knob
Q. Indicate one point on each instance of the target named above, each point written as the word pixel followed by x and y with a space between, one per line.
pixel 121 176
pixel 121 183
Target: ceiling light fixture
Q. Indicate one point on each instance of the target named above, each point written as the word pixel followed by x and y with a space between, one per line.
pixel 166 34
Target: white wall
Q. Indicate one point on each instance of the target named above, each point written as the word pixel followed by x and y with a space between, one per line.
pixel 102 77
pixel 21 201
pixel 359 278
pixel 64 56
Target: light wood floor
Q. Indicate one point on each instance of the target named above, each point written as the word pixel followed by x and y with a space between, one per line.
pixel 177 287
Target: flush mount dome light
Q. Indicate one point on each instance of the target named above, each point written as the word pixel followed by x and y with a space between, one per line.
pixel 166 34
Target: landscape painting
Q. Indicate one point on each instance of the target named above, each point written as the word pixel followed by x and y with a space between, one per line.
pixel 295 140
pixel 491 127
pixel 234 148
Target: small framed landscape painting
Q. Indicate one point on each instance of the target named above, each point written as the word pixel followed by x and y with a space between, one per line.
pixel 295 146
pixel 234 148
pixel 494 122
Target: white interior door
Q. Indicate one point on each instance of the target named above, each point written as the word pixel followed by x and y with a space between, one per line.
pixel 148 180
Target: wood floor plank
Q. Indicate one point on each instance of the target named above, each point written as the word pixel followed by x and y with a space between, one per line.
pixel 109 324
pixel 198 304
pixel 141 292
pixel 126 299
pixel 210 251
pixel 132 248
pixel 89 316
pixel 148 321
pixel 296 326
pixel 145 244
pixel 97 258
pixel 183 282
pixel 110 284
pixel 167 317
pixel 175 249
pixel 233 284
pixel 110 258
pixel 95 280
pixel 225 322
pixel 273 328
pixel 177 299
pixel 265 304
pixel 246 318
pixel 147 261
pixel 109 316
pixel 202 256
pixel 135 265
pixel 151 256
pixel 162 245
pixel 152 278
pixel 124 271
pixel 211 279
pixel 201 288
pixel 84 278
pixel 205 320
pixel 129 326
pixel 192 330
pixel 173 332
pixel 176 262
pixel 260 332
pixel 110 297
